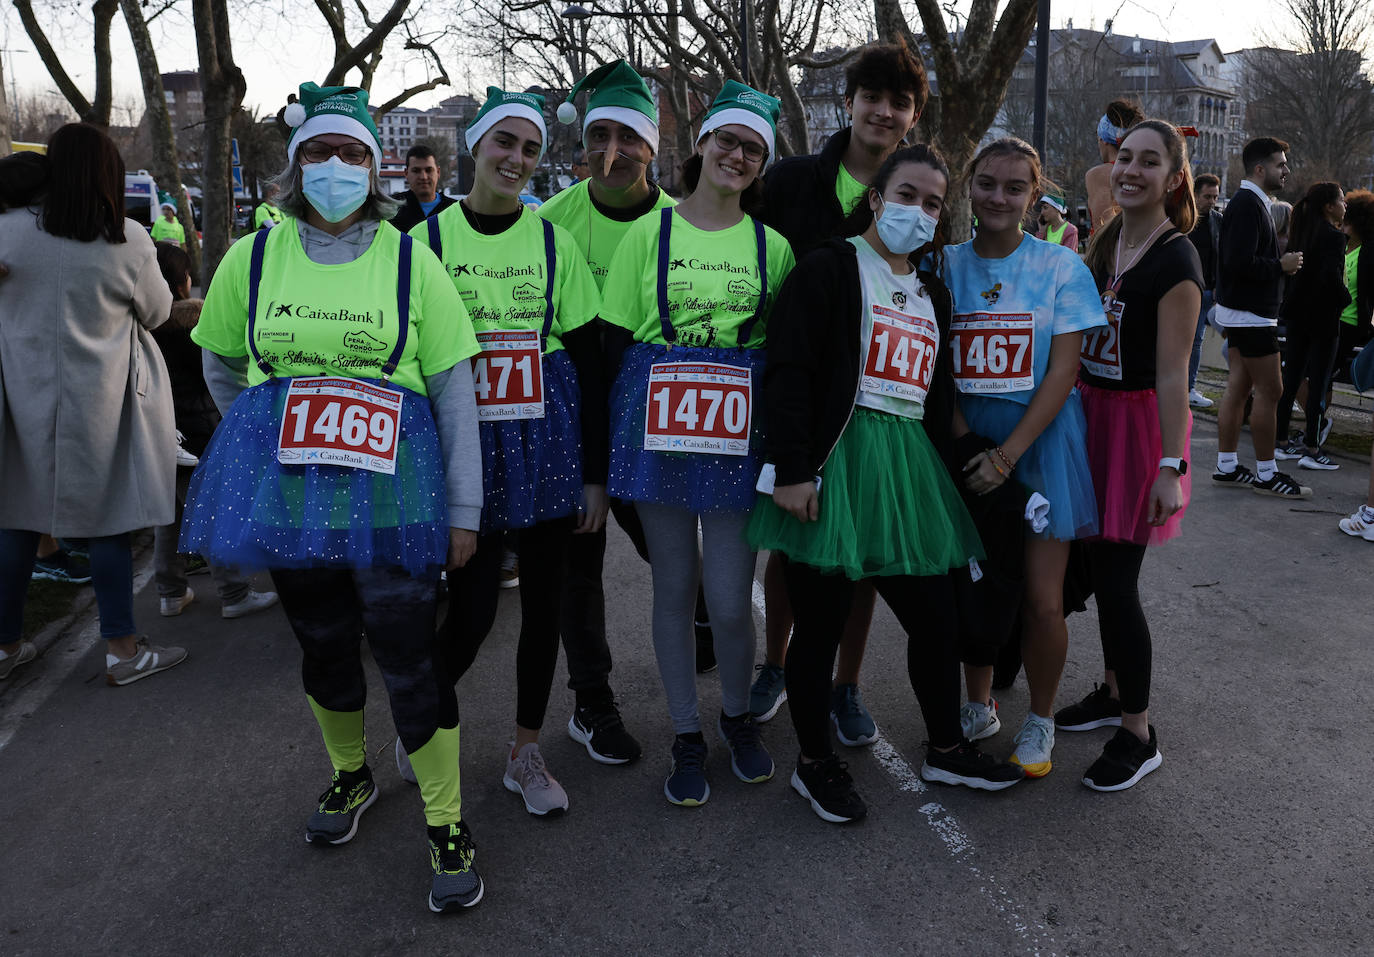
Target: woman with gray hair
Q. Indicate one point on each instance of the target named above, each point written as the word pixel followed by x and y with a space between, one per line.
pixel 344 438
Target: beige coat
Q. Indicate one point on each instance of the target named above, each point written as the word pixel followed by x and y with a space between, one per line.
pixel 87 434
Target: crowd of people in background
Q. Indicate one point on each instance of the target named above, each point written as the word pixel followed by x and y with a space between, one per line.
pixel 380 397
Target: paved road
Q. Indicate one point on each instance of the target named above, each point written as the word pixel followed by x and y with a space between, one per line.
pixel 167 817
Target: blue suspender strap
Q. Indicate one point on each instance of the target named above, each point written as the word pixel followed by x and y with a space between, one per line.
pixel 550 264
pixel 664 318
pixel 436 242
pixel 255 277
pixel 402 304
pixel 761 241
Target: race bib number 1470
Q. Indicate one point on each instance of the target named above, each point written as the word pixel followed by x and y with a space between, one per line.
pixel 698 407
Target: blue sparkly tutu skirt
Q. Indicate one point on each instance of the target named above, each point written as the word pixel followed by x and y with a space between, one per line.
pixel 694 481
pixel 243 507
pixel 532 468
pixel 1055 465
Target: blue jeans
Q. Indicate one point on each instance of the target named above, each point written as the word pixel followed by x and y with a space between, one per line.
pixel 1196 357
pixel 112 574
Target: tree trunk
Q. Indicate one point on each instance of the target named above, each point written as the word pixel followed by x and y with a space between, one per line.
pixel 166 165
pixel 5 135
pixel 222 89
pixel 97 110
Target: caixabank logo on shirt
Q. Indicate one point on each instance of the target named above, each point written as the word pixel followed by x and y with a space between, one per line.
pixel 326 312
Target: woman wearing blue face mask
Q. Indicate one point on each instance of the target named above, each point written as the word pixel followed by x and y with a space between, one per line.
pixel 856 388
pixel 348 462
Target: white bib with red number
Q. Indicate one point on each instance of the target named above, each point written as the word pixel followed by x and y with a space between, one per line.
pixel 509 375
pixel 993 352
pixel 330 420
pixel 698 407
pixel 900 338
pixel 1101 354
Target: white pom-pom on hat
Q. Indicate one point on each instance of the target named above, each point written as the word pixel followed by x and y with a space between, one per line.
pixel 294 115
pixel 567 113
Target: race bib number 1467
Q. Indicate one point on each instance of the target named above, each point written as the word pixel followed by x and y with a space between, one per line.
pixel 993 352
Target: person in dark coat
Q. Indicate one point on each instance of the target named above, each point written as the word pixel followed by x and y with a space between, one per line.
pixel 424 198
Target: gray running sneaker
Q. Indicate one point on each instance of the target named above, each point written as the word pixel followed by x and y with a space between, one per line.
pixel 768 693
pixel 979 721
pixel 529 777
pixel 456 881
pixel 335 820
pixel 26 653
pixel 147 660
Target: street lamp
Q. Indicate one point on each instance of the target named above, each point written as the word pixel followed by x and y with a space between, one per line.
pixel 580 15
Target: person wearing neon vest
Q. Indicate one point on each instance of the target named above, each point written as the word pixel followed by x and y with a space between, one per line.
pixel 344 467
pixel 693 286
pixel 167 229
pixel 1054 228
pixel 620 135
pixel 533 301
pixel 268 214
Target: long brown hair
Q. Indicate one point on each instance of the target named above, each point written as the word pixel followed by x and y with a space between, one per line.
pixel 1016 147
pixel 85 199
pixel 1180 205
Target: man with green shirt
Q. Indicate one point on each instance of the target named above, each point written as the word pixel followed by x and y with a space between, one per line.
pixel 267 214
pixel 167 229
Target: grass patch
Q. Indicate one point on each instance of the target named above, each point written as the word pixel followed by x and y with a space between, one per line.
pixel 47 602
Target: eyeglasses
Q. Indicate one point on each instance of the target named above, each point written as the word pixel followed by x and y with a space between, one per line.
pixel 729 142
pixel 354 154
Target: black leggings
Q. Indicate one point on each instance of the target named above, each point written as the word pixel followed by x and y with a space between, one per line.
pixel 330 610
pixel 1115 569
pixel 1313 359
pixel 925 607
pixel 473 591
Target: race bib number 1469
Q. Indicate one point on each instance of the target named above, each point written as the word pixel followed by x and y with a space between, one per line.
pixel 335 421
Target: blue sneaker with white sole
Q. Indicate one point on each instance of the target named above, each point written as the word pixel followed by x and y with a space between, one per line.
pixel 854 726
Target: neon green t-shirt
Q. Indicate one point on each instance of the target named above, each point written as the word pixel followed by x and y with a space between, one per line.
pixel 848 190
pixel 336 320
pixel 596 234
pixel 164 231
pixel 1055 234
pixel 713 282
pixel 1351 313
pixel 502 278
pixel 266 213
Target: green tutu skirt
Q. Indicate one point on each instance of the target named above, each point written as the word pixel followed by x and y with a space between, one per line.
pixel 887 507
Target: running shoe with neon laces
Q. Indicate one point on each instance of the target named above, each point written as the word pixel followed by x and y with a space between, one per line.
pixel 970 767
pixel 686 785
pixel 146 661
pixel 335 820
pixel 1098 709
pixel 768 692
pixel 26 653
pixel 1281 486
pixel 1034 743
pixel 1358 526
pixel 1291 450
pixel 1318 461
pixel 830 789
pixel 1125 760
pixel 456 881
pixel 749 759
pixel 601 730
pixel 1241 477
pixel 854 726
pixel 980 721
pixel 528 776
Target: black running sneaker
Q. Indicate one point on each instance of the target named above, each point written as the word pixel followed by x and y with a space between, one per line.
pixel 1098 710
pixel 600 729
pixel 456 882
pixel 970 767
pixel 335 820
pixel 1292 449
pixel 830 789
pixel 1281 486
pixel 1125 760
pixel 1318 461
pixel 706 648
pixel 1242 477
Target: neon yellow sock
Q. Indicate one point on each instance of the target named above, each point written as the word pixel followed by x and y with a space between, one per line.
pixel 343 736
pixel 436 768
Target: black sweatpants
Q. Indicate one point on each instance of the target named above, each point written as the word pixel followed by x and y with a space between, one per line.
pixel 1126 646
pixel 925 607
pixel 1312 358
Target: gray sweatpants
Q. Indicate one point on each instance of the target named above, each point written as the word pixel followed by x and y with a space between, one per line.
pixel 725 563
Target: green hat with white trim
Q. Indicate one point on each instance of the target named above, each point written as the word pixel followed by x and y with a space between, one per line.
pixel 615 92
pixel 1055 200
pixel 332 109
pixel 740 105
pixel 501 104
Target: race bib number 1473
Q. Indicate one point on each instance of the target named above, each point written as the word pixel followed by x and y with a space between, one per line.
pixel 698 407
pixel 993 352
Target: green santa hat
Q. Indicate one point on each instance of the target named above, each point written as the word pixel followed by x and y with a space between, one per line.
pixel 332 109
pixel 1056 201
pixel 501 104
pixel 740 105
pixel 615 92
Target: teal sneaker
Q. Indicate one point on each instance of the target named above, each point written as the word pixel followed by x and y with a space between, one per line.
pixel 768 692
pixel 854 726
pixel 456 881
pixel 687 785
pixel 335 821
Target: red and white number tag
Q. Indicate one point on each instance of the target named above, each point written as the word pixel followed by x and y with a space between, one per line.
pixel 698 407
pixel 509 375
pixel 335 421
pixel 1101 354
pixel 901 356
pixel 994 352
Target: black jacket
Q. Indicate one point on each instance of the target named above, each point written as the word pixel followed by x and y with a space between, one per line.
pixel 196 415
pixel 1249 277
pixel 812 376
pixel 1205 236
pixel 1317 293
pixel 799 198
pixel 411 214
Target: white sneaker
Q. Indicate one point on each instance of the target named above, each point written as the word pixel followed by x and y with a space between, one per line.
pixel 185 459
pixel 171 607
pixel 249 603
pixel 528 776
pixel 1034 744
pixel 1357 527
pixel 979 721
pixel 1199 401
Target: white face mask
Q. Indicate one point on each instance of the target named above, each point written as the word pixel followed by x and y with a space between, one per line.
pixel 335 188
pixel 904 229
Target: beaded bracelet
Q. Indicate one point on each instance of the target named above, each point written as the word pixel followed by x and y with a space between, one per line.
pixel 1011 466
pixel 988 453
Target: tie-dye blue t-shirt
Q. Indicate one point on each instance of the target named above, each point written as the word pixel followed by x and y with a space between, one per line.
pixel 1006 312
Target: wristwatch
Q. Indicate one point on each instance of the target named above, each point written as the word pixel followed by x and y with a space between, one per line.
pixel 1178 465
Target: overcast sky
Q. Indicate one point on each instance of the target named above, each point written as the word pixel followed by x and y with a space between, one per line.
pixel 275 63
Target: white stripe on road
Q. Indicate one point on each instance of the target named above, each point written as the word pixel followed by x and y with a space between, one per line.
pixel 1033 933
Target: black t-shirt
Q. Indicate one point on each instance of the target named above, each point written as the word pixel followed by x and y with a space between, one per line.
pixel 1121 355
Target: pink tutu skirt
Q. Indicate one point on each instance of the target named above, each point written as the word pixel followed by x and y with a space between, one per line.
pixel 1124 449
